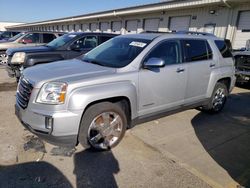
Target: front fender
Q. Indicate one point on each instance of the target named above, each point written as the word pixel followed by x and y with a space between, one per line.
pixel 80 98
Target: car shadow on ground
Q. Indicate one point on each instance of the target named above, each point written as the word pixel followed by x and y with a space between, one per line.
pixel 226 136
pixel 32 174
pixel 92 169
pixel 95 169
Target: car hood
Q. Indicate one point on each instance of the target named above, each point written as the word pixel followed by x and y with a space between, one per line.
pixel 69 71
pixel 11 51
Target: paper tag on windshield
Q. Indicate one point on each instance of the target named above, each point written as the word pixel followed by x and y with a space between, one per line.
pixel 138 44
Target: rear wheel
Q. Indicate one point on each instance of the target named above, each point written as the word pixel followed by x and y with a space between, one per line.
pixel 217 100
pixel 103 126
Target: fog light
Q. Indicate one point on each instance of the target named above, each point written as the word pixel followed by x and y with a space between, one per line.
pixel 49 123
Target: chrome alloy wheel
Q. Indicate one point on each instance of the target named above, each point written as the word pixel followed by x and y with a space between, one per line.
pixel 3 59
pixel 219 99
pixel 105 130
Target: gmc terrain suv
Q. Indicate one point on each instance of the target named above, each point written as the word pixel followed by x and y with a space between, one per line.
pixel 67 46
pixel 94 99
pixel 32 38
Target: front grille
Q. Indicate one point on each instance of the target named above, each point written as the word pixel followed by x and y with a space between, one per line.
pixel 23 93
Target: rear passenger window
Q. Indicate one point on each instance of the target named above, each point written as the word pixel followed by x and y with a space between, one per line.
pixel 224 48
pixel 197 50
pixel 48 37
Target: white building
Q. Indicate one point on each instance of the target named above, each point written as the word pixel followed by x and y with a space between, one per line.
pixel 225 18
pixel 7 24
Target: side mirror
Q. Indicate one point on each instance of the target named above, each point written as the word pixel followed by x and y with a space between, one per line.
pixel 154 63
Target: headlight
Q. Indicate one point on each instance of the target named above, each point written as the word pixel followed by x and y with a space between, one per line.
pixel 18 58
pixel 52 93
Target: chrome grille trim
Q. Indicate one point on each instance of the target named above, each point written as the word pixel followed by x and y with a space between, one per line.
pixel 23 93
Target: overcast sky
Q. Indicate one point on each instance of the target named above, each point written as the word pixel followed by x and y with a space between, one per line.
pixel 38 10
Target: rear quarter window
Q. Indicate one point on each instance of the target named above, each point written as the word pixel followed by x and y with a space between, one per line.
pixel 223 48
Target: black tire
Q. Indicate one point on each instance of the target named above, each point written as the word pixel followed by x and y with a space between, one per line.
pixel 90 115
pixel 211 107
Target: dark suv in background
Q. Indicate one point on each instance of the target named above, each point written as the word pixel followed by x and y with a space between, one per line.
pixel 68 46
pixel 32 38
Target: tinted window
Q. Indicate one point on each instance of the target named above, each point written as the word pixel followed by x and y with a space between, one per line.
pixel 88 42
pixel 196 50
pixel 48 37
pixel 224 48
pixel 104 39
pixel 31 38
pixel 167 51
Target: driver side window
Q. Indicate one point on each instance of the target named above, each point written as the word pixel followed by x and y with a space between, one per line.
pixel 88 42
pixel 168 51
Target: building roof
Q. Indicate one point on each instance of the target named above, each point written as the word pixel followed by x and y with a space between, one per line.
pixel 161 6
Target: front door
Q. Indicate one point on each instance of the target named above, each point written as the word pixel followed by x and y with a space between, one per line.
pixel 163 88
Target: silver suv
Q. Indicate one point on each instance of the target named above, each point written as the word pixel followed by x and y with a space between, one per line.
pixel 95 98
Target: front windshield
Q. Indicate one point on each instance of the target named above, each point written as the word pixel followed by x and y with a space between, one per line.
pixel 60 41
pixel 16 37
pixel 117 52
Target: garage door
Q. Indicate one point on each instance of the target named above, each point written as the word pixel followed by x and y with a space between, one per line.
pixel 243 30
pixel 180 23
pixel 71 28
pixel 77 27
pixel 116 27
pixel 94 27
pixel 131 26
pixel 104 26
pixel 85 27
pixel 151 24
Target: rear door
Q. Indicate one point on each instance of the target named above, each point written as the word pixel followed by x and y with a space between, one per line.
pixel 163 88
pixel 199 58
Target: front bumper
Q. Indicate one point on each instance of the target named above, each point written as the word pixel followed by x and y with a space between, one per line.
pixel 63 132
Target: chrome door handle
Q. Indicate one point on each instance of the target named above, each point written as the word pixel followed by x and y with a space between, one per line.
pixel 179 70
pixel 212 65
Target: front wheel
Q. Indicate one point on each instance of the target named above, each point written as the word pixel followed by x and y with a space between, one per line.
pixel 103 126
pixel 218 99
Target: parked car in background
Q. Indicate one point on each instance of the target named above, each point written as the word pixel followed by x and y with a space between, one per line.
pixel 8 34
pixel 67 46
pixel 242 66
pixel 28 39
pixel 13 38
pixel 94 99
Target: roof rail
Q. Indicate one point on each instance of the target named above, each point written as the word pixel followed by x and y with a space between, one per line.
pixel 155 32
pixel 195 33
